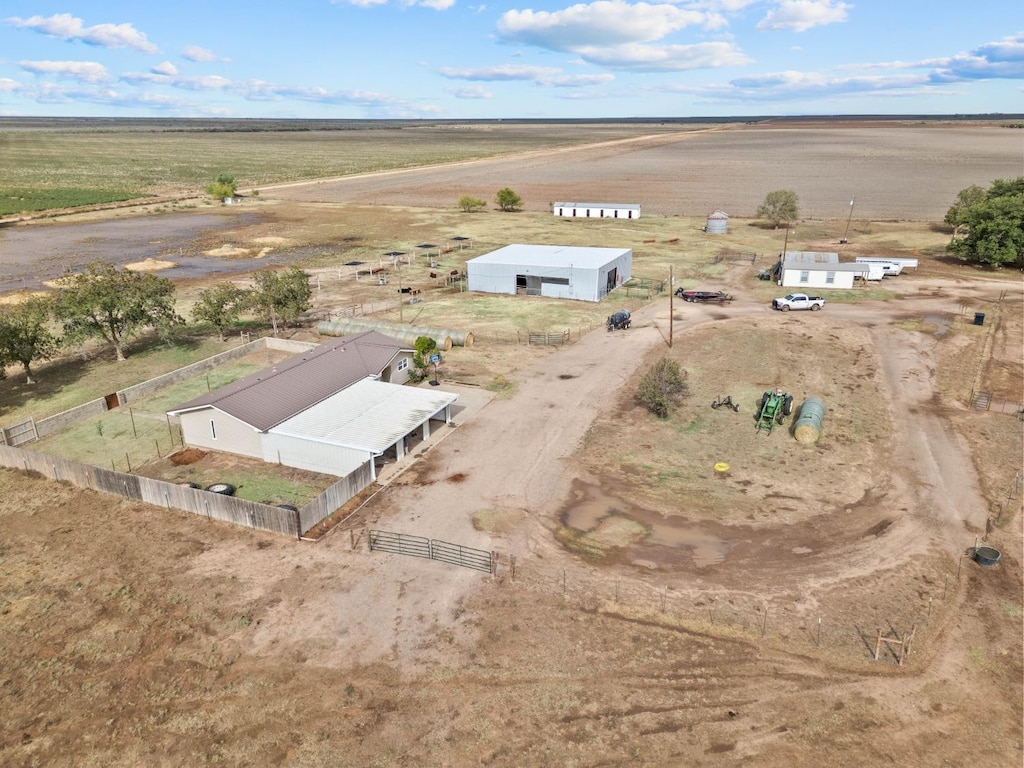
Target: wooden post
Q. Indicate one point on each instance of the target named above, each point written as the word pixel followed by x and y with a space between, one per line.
pixel 157 448
pixel 170 430
pixel 512 566
pixel 131 414
pixel 128 462
pixel 671 305
pixel 819 631
pixel 878 643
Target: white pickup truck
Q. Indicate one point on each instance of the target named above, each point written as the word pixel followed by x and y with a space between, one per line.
pixel 798 301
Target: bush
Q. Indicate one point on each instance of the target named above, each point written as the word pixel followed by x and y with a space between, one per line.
pixel 662 387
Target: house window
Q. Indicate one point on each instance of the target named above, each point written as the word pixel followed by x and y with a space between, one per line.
pixel 830 278
pixel 615 213
pixel 213 429
pixel 403 363
pixel 629 214
pixel 805 276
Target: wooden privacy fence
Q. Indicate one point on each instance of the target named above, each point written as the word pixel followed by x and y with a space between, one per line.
pixel 432 549
pixel 20 433
pixel 215 506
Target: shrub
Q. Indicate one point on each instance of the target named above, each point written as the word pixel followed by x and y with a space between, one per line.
pixel 662 387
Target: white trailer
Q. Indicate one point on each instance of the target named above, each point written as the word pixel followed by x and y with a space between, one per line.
pixel 903 263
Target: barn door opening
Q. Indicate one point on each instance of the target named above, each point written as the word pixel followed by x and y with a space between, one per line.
pixel 613 279
pixel 532 285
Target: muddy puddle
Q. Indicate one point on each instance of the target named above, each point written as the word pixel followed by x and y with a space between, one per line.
pixel 32 254
pixel 668 538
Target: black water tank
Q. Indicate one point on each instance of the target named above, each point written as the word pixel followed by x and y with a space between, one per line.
pixel 979 318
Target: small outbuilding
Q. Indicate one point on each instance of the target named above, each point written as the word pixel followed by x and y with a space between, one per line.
pixel 596 210
pixel 555 271
pixel 813 269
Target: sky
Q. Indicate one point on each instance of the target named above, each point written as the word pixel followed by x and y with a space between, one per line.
pixel 457 59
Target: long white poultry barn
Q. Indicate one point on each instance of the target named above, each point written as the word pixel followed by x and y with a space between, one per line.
pixel 555 271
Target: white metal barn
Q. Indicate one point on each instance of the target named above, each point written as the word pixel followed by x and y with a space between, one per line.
pixel 811 269
pixel 555 271
pixel 596 210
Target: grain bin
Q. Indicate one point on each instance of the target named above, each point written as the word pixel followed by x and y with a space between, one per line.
pixel 717 223
pixel 807 427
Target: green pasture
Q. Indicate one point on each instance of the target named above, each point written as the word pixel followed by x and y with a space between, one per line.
pixel 20 200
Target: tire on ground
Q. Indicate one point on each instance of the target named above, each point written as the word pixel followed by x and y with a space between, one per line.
pixel 224 489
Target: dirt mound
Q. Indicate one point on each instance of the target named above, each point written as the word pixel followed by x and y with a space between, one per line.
pixel 187 456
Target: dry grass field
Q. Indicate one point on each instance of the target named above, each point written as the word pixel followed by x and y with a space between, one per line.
pixel 658 613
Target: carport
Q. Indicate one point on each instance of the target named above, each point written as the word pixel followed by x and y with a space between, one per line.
pixel 357 426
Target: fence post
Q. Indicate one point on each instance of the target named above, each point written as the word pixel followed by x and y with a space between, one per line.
pixel 494 563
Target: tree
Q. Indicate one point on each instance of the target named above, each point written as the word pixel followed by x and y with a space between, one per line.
pixel 281 295
pixel 220 306
pixel 508 200
pixel 662 387
pixel 964 200
pixel 224 186
pixel 778 207
pixel 421 358
pixel 25 335
pixel 468 203
pixel 991 231
pixel 113 304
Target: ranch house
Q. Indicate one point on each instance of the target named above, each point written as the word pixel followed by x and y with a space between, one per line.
pixel 336 409
pixel 812 269
pixel 555 271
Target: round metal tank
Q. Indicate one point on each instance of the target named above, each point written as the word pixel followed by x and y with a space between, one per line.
pixel 717 223
pixel 807 427
pixel 987 556
pixel 400 333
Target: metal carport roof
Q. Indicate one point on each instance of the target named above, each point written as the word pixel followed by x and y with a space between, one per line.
pixel 369 415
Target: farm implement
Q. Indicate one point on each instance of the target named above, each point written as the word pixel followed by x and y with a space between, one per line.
pixel 774 408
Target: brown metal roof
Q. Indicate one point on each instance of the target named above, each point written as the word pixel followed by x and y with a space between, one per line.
pixel 268 397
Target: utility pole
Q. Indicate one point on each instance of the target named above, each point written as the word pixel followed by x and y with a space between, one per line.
pixel 671 304
pixel 848 220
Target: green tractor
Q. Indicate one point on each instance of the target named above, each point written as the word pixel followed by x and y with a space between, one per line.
pixel 775 406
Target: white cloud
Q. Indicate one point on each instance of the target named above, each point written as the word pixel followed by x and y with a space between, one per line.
pixel 666 58
pixel 502 72
pixel 992 61
pixel 200 54
pixel 605 22
pixel 620 35
pixel 68 27
pixel 437 5
pixel 471 92
pixel 166 68
pixel 188 83
pixel 7 85
pixel 801 15
pixel 546 76
pixel 790 86
pixel 84 71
